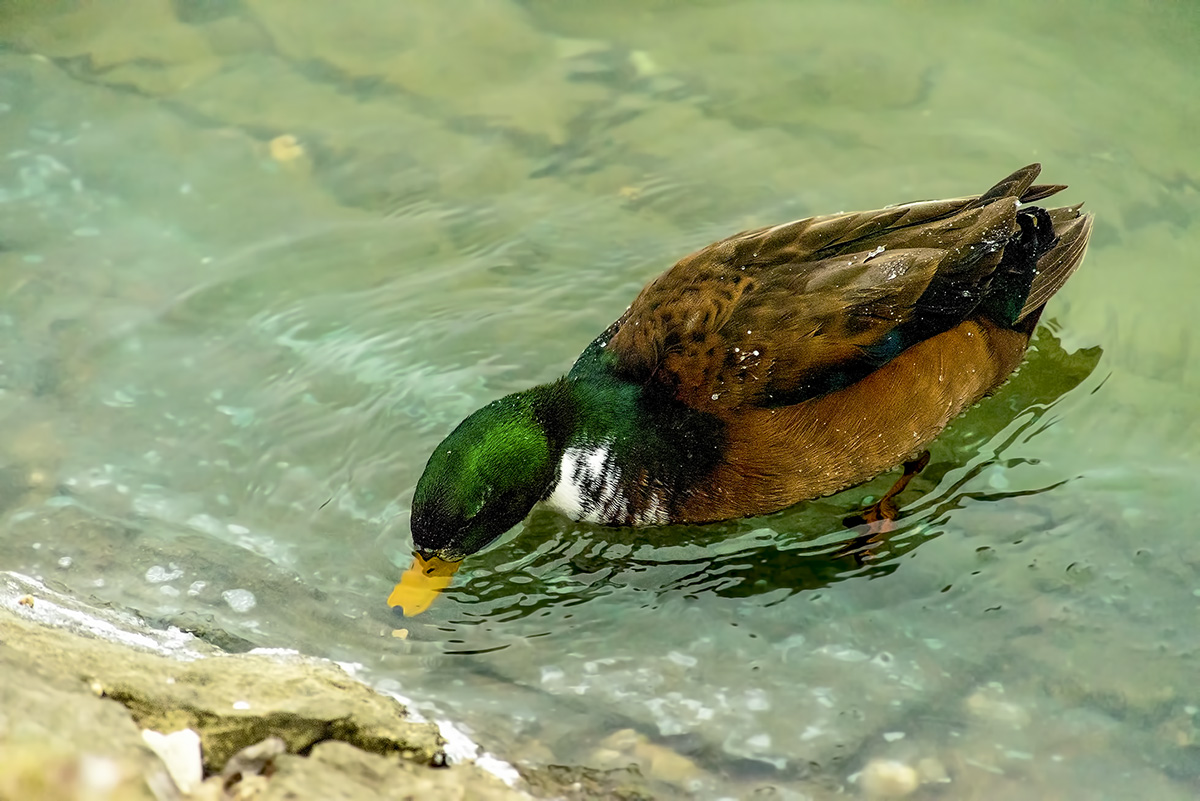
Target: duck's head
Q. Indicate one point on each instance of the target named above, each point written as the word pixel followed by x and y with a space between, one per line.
pixel 483 479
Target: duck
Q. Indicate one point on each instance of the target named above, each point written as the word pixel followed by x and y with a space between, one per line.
pixel 775 366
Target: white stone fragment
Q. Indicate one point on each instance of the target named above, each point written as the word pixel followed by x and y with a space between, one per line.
pixel 180 752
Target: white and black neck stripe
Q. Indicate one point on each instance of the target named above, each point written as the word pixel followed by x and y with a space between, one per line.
pixel 590 486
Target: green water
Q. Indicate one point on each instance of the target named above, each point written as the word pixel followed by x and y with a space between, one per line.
pixel 224 358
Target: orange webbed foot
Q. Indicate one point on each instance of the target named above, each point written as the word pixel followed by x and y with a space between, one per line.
pixel 880 517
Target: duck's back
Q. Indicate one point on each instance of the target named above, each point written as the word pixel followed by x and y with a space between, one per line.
pixel 778 315
pixel 835 347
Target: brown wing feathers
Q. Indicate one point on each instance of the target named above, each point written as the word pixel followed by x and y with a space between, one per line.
pixel 778 314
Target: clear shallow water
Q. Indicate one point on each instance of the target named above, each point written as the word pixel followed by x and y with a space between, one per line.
pixel 227 356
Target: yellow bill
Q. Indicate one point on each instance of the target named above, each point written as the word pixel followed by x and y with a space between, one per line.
pixel 422 583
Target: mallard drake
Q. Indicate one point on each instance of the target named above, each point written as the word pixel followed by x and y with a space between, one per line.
pixel 775 366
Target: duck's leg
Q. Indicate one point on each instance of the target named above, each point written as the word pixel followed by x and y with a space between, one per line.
pixel 880 516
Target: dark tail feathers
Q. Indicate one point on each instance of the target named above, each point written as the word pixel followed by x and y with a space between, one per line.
pixel 1039 259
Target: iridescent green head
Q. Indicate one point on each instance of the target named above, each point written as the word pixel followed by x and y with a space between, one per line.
pixel 485 477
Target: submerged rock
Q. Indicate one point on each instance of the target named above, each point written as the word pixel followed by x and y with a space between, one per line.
pixel 338 770
pixel 622 784
pixel 139 44
pixel 235 701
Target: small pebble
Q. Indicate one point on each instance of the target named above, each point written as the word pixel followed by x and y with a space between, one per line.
pixel 666 765
pixel 932 771
pixel 643 63
pixel 624 740
pixel 985 705
pixel 607 759
pixel 26 600
pixel 158 574
pixel 888 778
pixel 285 148
pixel 239 600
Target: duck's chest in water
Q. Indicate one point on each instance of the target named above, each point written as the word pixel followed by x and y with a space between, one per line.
pixel 592 485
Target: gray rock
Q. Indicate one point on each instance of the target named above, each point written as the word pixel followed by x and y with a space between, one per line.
pixel 75 701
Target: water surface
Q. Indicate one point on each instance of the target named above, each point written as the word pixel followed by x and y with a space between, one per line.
pixel 257 258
